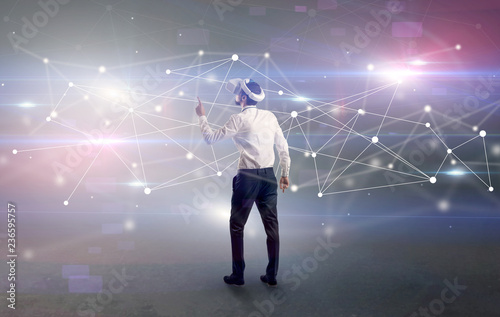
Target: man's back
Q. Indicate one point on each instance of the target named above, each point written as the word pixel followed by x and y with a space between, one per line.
pixel 254 132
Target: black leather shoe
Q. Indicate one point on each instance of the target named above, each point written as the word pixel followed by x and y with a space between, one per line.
pixel 232 280
pixel 269 282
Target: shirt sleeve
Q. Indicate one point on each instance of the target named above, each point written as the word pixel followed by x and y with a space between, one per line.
pixel 211 136
pixel 282 147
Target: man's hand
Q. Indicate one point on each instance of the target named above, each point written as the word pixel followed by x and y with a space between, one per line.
pixel 200 110
pixel 284 183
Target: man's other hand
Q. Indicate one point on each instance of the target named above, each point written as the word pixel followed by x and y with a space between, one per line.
pixel 284 183
pixel 200 110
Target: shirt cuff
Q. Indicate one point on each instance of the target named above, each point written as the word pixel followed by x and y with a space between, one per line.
pixel 202 119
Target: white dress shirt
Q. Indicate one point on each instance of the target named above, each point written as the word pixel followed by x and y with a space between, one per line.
pixel 254 132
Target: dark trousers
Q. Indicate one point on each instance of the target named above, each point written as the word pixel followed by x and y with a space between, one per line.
pixel 257 186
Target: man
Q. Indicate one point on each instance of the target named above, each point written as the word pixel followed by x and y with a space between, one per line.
pixel 254 132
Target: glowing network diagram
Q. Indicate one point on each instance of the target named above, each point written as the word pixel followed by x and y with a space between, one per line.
pixel 343 133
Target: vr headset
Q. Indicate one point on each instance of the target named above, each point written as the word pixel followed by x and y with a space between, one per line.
pixel 236 84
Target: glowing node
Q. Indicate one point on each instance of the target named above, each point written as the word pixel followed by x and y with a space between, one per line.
pixel 3 84
pixel 147 190
pixel 375 139
pixel 102 69
pixel 134 165
pixel 320 195
pixel 427 108
pixel 45 60
pixel 427 125
pixel 168 71
pixel 370 67
pixel 453 162
pixel 201 52
pixel 267 55
pixel 458 47
pixel 280 92
pixel 361 111
pixel 482 133
pixel 66 203
pixel 86 97
pixel 490 189
pixel 235 57
pixel 400 81
pixel 158 108
pixel 48 119
pixel 14 152
pixel 181 93
pixel 391 166
pixel 313 154
pixel 307 154
pixel 309 108
pixel 189 156
pixel 294 188
pixel 131 18
pixel 475 128
pixel 433 180
pixel 70 84
pixel 130 110
pixel 219 173
pixel 294 114
pixel 449 151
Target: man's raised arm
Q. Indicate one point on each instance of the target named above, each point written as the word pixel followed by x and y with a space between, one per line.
pixel 210 136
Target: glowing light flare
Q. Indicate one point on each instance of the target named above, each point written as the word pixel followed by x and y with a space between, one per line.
pixel 456 173
pixel 136 184
pixel 129 225
pixel 417 62
pixel 106 141
pixel 400 74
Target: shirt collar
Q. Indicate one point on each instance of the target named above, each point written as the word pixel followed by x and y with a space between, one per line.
pixel 246 107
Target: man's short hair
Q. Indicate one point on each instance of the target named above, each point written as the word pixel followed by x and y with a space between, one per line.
pixel 255 88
